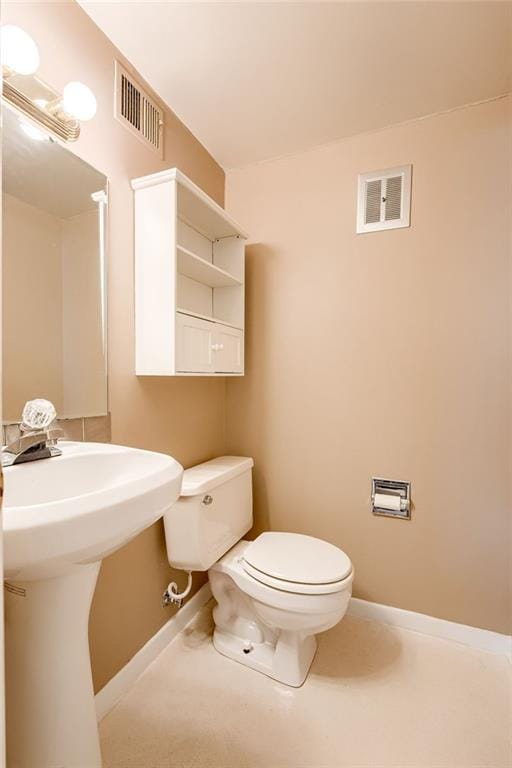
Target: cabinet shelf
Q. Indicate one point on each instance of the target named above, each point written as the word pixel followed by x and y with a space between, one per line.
pixel 197 268
pixel 210 318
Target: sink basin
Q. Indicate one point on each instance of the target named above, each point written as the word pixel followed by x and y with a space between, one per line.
pixel 61 516
pixel 79 507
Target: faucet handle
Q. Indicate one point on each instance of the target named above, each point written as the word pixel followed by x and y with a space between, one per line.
pixel 37 415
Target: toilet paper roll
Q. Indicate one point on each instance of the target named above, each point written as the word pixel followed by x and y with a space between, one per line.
pixel 387 501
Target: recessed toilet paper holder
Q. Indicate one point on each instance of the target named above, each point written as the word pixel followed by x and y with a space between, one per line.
pixel 391 498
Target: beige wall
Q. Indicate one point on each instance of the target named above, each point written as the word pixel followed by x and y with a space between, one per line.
pixel 183 417
pixel 31 306
pixel 386 354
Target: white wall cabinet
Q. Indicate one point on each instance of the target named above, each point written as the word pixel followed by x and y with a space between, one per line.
pixel 189 281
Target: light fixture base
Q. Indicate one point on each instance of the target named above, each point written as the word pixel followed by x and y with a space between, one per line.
pixel 66 129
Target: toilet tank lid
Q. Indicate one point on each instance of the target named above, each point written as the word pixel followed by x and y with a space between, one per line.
pixel 209 475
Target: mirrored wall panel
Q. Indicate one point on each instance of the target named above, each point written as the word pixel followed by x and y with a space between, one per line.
pixel 53 275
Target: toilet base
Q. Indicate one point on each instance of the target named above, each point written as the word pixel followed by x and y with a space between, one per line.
pixel 288 660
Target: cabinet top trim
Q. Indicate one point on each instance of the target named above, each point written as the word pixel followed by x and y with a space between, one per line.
pixel 175 175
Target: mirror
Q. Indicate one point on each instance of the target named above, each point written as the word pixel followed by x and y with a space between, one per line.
pixel 53 275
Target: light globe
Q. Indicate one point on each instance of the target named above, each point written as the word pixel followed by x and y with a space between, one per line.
pixel 19 53
pixel 78 101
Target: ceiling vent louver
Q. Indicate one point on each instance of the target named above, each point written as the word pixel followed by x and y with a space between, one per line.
pixel 137 111
pixel 384 199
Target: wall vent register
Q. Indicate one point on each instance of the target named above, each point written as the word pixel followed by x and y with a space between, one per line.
pixel 137 111
pixel 384 199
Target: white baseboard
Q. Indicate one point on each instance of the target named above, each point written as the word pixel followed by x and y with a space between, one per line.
pixel 126 677
pixel 481 639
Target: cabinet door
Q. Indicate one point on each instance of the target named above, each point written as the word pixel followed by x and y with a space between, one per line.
pixel 194 345
pixel 229 349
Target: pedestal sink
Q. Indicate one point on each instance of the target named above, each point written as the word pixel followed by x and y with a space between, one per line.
pixel 61 517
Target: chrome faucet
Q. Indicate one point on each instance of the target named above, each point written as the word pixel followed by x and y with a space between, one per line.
pixel 37 440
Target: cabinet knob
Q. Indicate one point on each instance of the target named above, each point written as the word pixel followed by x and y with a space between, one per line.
pixel 217 347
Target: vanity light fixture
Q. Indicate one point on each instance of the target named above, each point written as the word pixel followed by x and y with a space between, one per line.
pixel 56 113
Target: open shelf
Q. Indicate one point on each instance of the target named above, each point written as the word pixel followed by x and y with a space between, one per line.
pixel 210 318
pixel 196 268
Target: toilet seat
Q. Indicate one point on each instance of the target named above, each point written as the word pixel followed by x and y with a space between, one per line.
pixel 292 562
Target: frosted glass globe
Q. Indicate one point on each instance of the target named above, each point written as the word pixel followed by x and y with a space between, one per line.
pixel 78 101
pixel 38 414
pixel 18 51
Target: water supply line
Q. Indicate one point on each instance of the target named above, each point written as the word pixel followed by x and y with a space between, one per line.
pixel 171 595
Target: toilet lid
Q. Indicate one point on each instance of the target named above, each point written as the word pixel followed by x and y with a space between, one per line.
pixel 296 558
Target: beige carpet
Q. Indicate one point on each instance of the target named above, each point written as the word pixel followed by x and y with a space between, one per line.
pixel 376 696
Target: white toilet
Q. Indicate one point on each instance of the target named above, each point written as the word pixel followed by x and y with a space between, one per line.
pixel 274 594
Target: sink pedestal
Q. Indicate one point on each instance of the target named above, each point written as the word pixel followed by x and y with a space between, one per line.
pixel 51 713
pixel 61 517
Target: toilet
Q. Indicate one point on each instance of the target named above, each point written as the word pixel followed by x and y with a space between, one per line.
pixel 274 594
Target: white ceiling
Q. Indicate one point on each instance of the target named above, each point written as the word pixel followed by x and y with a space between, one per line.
pixel 254 80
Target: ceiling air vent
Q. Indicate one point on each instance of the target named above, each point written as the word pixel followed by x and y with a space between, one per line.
pixel 384 199
pixel 137 111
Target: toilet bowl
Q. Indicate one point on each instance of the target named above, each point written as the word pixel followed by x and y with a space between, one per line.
pixel 270 624
pixel 273 594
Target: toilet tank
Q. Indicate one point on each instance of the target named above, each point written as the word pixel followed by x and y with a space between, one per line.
pixel 212 514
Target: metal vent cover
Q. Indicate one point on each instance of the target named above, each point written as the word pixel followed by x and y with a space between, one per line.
pixel 393 198
pixel 373 201
pixel 135 109
pixel 384 199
